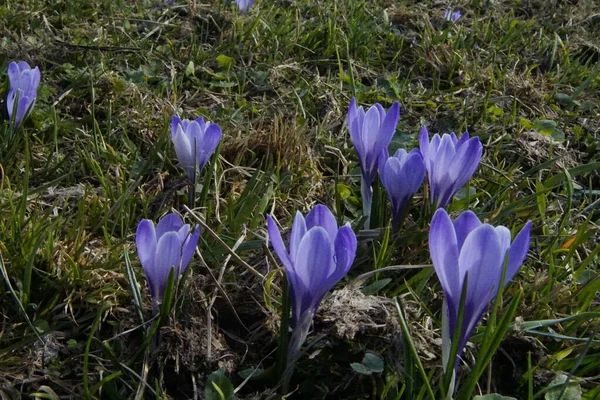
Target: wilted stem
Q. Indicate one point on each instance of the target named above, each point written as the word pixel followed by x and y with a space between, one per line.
pixel 367 200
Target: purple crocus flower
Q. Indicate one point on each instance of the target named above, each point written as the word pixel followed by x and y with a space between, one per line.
pixel 450 163
pixel 244 5
pixel 23 89
pixel 320 255
pixel 371 132
pixel 469 246
pixel 170 244
pixel 401 176
pixel 451 16
pixel 194 141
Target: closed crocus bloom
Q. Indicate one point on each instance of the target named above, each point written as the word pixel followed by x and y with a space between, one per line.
pixel 194 141
pixel 24 82
pixel 244 5
pixel 371 132
pixel 467 246
pixel 320 255
pixel 401 175
pixel 450 163
pixel 170 244
pixel 451 16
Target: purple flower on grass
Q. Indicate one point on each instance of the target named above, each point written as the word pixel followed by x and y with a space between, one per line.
pixel 194 141
pixel 320 255
pixel 170 244
pixel 401 175
pixel 469 246
pixel 23 89
pixel 450 163
pixel 244 5
pixel 451 16
pixel 371 132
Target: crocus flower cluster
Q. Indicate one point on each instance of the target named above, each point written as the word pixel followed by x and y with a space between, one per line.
pixel 320 255
pixel 194 142
pixel 450 163
pixel 371 133
pixel 468 246
pixel 451 16
pixel 401 176
pixel 23 90
pixel 171 244
pixel 244 5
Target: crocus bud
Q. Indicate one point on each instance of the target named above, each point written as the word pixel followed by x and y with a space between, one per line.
pixel 23 89
pixel 401 176
pixel 170 245
pixel 194 141
pixel 450 163
pixel 244 5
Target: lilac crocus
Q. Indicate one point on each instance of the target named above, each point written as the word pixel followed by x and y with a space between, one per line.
pixel 194 141
pixel 170 244
pixel 450 163
pixel 23 89
pixel 371 132
pixel 451 16
pixel 468 246
pixel 320 255
pixel 244 5
pixel 401 176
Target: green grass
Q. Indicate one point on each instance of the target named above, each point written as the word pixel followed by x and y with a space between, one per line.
pixel 95 157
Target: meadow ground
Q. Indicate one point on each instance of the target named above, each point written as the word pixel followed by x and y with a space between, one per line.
pixel 95 157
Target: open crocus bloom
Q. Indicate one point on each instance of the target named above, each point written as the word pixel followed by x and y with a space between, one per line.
pixel 170 245
pixel 320 255
pixel 401 175
pixel 23 88
pixel 194 142
pixel 467 246
pixel 450 163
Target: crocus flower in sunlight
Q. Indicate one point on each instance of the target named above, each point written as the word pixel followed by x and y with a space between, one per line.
pixel 371 132
pixel 401 175
pixel 194 142
pixel 170 244
pixel 450 163
pixel 451 16
pixel 23 89
pixel 320 255
pixel 244 5
pixel 467 246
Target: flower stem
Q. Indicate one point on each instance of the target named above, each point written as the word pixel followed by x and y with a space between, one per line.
pixel 367 199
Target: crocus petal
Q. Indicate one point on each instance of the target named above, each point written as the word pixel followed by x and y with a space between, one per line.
pixel 168 255
pixel 354 126
pixel 175 122
pixel 14 73
pixel 183 149
pixel 345 251
pixel 465 224
pixel 315 255
pixel 482 256
pixel 189 248
pixel 518 252
pixel 298 232
pixel 466 162
pixel 209 143
pixel 388 125
pixel 145 242
pixel 321 216
pixel 444 254
pixel 277 243
pixel 169 223
pixel 414 171
pixel 424 146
